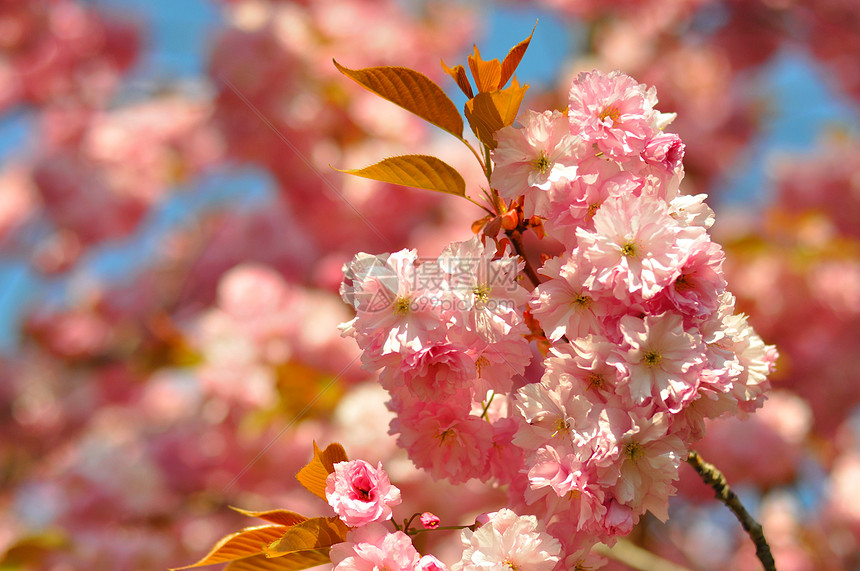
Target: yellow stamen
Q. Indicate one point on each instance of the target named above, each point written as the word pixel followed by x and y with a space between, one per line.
pixel 541 163
pixel 611 113
pixel 634 451
pixel 652 358
pixel 401 305
pixel 629 249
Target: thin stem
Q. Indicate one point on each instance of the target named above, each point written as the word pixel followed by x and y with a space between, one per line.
pixel 487 406
pixel 517 240
pixel 488 168
pixel 479 205
pixel 440 528
pixel 477 155
pixel 407 523
pixel 715 479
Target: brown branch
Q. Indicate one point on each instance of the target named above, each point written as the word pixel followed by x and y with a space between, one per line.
pixel 715 479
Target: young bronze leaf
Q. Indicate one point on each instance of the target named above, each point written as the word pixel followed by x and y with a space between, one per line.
pixel 418 171
pixel 292 562
pixel 485 73
pixel 333 454
pixel 458 72
pixel 489 112
pixel 512 60
pixel 280 517
pixel 314 474
pixel 313 534
pixel 246 543
pixel 411 90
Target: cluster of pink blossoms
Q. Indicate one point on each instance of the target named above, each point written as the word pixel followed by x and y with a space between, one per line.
pixel 362 496
pixel 644 341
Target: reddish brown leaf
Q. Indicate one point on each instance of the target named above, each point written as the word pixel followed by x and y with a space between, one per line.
pixel 314 474
pixel 313 534
pixel 280 517
pixel 411 90
pixel 485 73
pixel 489 112
pixel 458 72
pixel 512 60
pixel 418 171
pixel 246 543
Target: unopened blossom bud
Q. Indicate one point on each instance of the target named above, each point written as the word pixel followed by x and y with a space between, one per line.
pixel 430 520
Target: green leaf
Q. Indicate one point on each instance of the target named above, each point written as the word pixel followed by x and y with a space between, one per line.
pixel 280 517
pixel 314 474
pixel 313 534
pixel 512 60
pixel 411 90
pixel 418 171
pixel 246 543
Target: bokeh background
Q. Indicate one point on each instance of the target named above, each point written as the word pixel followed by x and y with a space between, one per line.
pixel 171 238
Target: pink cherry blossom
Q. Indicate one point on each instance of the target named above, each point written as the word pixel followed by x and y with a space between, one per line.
pixel 430 563
pixel 360 494
pixel 633 247
pixel 534 159
pixel 436 371
pixel 508 540
pixel 613 112
pixel 444 440
pixel 661 358
pixel 371 547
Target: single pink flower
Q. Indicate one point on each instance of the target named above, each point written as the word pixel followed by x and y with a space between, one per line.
pixel 633 247
pixel 360 493
pixel 508 541
pixel 446 441
pixel 430 563
pixel 532 160
pixel 613 111
pixel 372 547
pixel 665 150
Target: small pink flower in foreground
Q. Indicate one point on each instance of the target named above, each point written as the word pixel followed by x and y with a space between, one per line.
pixel 371 547
pixel 360 493
pixel 508 541
pixel 430 563
pixel 430 520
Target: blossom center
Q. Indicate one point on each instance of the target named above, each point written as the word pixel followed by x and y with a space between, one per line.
pixel 482 292
pixel 683 283
pixel 447 435
pixel 582 300
pixel 561 427
pixel 629 249
pixel 610 112
pixel 480 363
pixel 652 358
pixel 510 564
pixel 401 305
pixel 541 163
pixel 595 380
pixel 634 451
